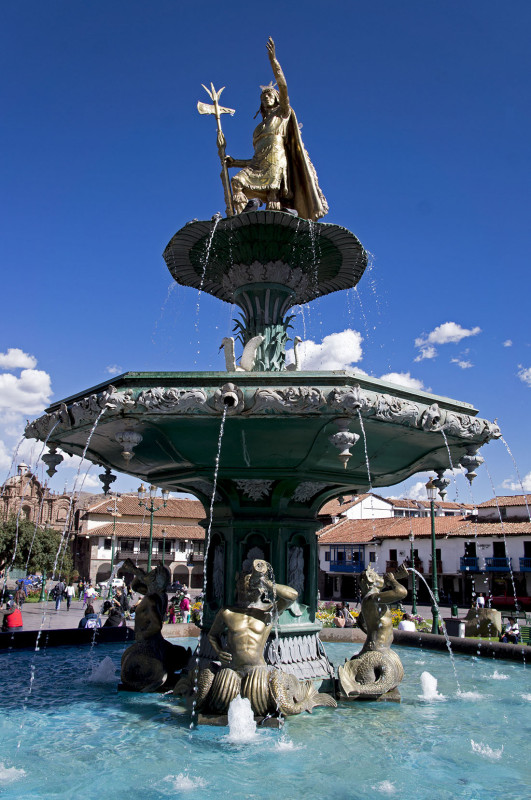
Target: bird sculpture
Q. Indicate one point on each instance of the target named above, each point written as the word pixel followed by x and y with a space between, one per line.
pixel 247 361
pixel 296 366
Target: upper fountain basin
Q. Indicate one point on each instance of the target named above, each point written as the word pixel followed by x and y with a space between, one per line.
pixel 265 247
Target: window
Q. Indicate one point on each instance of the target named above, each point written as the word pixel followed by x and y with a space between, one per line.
pixel 527 549
pixel 327 555
pixel 372 557
pixel 392 555
pixel 198 548
pixel 143 546
pixel 470 549
pixel 182 546
pixel 107 544
pixel 498 550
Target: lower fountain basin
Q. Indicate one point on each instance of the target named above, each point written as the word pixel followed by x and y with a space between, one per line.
pixel 83 738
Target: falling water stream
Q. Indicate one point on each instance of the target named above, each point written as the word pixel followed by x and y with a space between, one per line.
pixel 207 546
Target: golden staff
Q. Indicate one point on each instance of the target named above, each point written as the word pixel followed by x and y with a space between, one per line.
pixel 217 110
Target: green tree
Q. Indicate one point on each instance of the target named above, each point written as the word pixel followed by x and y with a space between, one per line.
pixel 40 545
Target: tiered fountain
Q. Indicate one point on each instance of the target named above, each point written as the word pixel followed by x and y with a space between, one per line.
pixel 292 439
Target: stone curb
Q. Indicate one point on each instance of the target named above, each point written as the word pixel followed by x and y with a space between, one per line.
pixel 471 647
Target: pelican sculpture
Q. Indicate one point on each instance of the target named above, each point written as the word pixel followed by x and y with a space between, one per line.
pixel 248 358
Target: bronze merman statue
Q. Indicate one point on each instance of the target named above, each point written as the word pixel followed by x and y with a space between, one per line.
pixel 280 172
pixel 149 665
pixel 376 669
pixel 242 669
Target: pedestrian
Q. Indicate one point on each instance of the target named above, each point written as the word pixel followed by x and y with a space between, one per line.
pixel 171 614
pixel 407 623
pixel 185 607
pixel 80 589
pixel 12 617
pixel 70 594
pixel 90 619
pixel 115 619
pixel 511 634
pixel 58 590
pixel 20 595
pixel 480 601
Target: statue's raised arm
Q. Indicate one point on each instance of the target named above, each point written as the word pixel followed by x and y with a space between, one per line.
pixel 279 77
pixel 280 173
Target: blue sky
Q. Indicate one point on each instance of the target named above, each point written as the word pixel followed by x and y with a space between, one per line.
pixel 417 118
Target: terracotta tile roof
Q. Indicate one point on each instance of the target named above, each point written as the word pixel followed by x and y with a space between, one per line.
pixel 132 530
pixel 360 531
pixel 333 508
pixel 399 502
pixel 128 504
pixel 507 500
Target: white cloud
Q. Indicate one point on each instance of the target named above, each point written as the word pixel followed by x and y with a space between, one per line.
pixel 447 333
pixel 416 492
pixel 461 363
pixel 516 486
pixel 28 394
pixel 336 351
pixel 15 358
pixel 426 351
pixel 113 369
pixel 524 373
pixel 404 379
pixel 508 343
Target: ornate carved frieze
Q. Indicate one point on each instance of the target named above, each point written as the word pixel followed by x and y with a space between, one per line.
pixel 396 409
pixel 253 488
pixel 273 272
pixel 293 399
pixel 462 425
pixel 306 490
pixel 182 401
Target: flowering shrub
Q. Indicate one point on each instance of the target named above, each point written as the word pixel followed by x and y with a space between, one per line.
pixel 326 612
pixel 196 612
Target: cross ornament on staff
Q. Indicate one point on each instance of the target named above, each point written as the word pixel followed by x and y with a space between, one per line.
pixel 217 110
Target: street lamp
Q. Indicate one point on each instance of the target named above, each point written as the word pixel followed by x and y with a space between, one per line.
pixel 431 491
pixel 113 511
pixel 163 544
pixel 143 501
pixel 413 575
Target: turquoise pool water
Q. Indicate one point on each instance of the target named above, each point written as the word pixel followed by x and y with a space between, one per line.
pixel 65 736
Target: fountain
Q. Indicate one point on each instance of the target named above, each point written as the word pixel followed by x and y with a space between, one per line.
pixel 263 445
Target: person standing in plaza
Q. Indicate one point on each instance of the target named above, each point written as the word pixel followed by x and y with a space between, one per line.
pixel 185 608
pixel 70 594
pixel 58 593
pixel 12 617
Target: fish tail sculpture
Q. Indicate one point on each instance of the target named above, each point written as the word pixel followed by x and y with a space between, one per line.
pixel 370 675
pixel 292 696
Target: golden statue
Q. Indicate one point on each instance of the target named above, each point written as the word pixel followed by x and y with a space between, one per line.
pixel 376 669
pixel 242 669
pixel 280 173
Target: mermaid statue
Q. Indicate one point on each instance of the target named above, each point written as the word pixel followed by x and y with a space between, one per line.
pixel 280 172
pixel 238 636
pixel 376 669
pixel 150 664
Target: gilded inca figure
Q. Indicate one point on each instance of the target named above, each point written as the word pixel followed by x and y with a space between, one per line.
pixel 376 669
pixel 149 665
pixel 280 172
pixel 242 670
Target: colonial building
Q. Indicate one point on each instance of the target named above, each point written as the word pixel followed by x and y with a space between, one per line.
pixel 475 553
pixel 25 494
pixel 177 541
